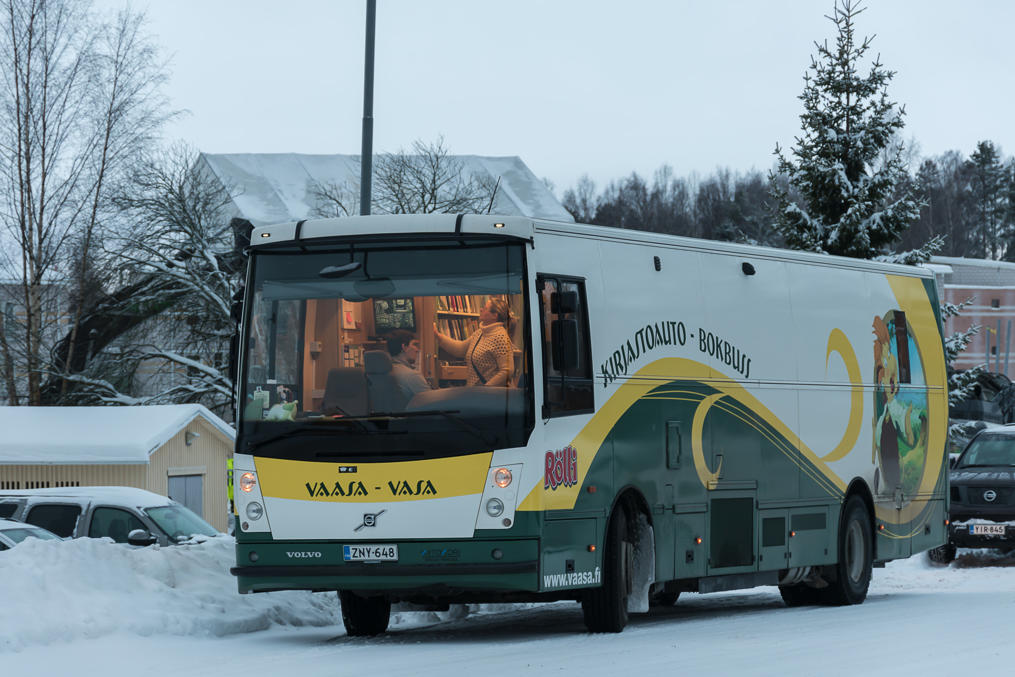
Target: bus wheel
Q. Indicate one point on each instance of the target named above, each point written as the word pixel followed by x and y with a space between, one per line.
pixel 605 608
pixel 799 595
pixel 856 556
pixel 364 616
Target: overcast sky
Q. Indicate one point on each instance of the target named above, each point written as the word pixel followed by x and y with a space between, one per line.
pixel 570 86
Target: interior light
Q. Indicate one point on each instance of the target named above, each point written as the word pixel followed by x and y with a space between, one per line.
pixel 265 234
pixel 247 482
pixel 502 477
pixel 498 225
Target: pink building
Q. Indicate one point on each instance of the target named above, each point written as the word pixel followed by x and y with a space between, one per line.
pixel 991 286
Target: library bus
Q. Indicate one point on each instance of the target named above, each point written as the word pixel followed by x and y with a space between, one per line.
pixel 678 415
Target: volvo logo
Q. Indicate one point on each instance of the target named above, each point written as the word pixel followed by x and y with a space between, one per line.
pixel 370 519
pixel 989 495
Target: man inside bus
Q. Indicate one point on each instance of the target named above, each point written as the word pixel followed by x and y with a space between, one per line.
pixel 404 350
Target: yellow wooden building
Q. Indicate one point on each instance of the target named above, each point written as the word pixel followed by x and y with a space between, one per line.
pixel 177 450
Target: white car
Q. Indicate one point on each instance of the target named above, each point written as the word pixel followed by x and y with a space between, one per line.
pixel 125 514
pixel 13 532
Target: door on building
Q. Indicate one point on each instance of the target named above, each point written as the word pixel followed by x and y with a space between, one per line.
pixel 188 490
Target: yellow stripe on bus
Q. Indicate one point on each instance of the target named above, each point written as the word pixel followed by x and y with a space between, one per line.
pixel 373 482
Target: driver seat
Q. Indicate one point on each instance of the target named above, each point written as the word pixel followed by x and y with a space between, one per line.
pixel 345 392
pixel 385 393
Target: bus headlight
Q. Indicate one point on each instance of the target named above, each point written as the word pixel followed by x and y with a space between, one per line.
pixel 494 507
pixel 502 477
pixel 247 482
pixel 254 511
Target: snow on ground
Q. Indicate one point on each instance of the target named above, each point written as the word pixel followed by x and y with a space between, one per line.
pixel 91 607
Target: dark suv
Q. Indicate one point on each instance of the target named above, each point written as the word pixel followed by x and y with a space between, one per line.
pixel 982 495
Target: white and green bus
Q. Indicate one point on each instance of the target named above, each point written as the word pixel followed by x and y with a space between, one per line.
pixel 456 409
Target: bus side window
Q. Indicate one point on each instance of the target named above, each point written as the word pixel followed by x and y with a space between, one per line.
pixel 567 364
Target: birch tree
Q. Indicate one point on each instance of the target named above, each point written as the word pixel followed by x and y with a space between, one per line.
pixel 80 99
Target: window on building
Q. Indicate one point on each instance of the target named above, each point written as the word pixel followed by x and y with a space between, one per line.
pixel 995 303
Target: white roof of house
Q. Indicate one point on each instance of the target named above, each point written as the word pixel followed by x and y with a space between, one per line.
pixel 94 435
pixel 269 188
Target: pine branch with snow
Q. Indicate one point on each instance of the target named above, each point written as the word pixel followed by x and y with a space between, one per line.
pixel 839 165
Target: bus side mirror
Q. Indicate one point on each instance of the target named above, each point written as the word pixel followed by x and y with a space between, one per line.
pixel 564 334
pixel 563 303
pixel 234 351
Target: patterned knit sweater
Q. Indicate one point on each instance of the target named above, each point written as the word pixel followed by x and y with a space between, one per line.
pixel 488 353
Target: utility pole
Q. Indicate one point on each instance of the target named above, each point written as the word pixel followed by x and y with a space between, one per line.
pixel 366 158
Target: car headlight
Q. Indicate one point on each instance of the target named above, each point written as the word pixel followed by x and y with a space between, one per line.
pixel 254 511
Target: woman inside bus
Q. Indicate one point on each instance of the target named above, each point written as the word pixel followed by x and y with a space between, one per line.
pixel 488 352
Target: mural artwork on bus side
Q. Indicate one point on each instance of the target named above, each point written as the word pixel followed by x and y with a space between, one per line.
pixel 900 413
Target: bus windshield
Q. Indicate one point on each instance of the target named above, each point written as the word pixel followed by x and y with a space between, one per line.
pixel 365 351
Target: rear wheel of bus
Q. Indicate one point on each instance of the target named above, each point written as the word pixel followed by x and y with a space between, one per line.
pixel 364 616
pixel 605 608
pixel 856 556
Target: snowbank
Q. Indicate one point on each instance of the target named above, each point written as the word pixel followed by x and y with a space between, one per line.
pixel 56 591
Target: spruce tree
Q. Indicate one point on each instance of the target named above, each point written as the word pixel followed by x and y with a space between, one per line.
pixel 988 192
pixel 846 165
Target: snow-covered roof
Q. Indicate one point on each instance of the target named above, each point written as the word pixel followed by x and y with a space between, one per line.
pixel 938 268
pixel 271 188
pixel 94 435
pixel 125 496
pixel 977 272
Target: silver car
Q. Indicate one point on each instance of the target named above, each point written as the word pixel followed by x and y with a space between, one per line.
pixel 125 514
pixel 13 532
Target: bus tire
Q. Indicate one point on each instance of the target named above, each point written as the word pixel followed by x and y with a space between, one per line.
pixel 799 595
pixel 364 616
pixel 852 575
pixel 605 607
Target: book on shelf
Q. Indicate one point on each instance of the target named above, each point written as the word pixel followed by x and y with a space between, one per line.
pixel 461 303
pixel 459 328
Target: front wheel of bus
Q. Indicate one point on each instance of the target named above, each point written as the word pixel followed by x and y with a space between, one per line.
pixel 364 616
pixel 856 556
pixel 605 608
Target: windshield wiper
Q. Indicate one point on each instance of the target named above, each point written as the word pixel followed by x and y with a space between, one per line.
pixel 311 432
pixel 450 414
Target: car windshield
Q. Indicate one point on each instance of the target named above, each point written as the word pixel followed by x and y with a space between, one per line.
pixel 18 534
pixel 179 522
pixel 989 450
pixel 412 350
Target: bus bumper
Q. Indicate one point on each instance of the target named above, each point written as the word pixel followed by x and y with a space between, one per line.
pixel 459 566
